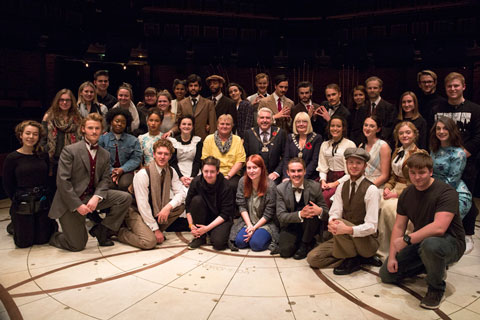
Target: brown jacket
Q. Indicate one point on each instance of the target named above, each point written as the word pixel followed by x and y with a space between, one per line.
pixel 204 115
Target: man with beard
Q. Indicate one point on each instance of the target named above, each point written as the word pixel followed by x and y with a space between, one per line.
pixel 223 104
pixel 197 106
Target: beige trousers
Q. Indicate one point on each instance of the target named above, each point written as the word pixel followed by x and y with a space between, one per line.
pixel 331 253
pixel 138 234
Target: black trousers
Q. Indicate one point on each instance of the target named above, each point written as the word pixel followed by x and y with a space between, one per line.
pixel 30 229
pixel 294 234
pixel 201 215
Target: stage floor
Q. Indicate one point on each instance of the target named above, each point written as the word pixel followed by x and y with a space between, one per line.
pixel 172 282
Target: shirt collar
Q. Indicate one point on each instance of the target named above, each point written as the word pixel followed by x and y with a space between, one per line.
pixel 377 101
pixel 218 97
pixel 359 180
pixel 308 103
pixel 276 97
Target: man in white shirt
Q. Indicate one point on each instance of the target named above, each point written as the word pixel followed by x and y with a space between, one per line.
pixel 353 221
pixel 160 199
pixel 261 82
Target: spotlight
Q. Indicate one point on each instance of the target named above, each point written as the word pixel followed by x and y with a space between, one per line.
pixel 124 67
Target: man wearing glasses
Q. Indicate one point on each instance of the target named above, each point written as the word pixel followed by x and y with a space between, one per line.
pixel 428 98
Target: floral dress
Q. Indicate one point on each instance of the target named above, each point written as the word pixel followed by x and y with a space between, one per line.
pixel 448 165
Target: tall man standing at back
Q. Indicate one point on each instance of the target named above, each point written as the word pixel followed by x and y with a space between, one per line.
pixel 438 238
pixel 223 104
pixel 279 104
pixel 197 106
pixel 466 114
pixel 101 80
pixel 83 178
pixel 382 108
pixel 428 99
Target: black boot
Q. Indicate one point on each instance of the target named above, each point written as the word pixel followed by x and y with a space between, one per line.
pixel 101 232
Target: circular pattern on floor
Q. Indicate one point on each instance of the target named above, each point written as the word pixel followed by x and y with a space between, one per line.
pixel 172 282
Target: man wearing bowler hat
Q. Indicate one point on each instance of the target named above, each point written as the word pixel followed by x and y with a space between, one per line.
pixel 353 221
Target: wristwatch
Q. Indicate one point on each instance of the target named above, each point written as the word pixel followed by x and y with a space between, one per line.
pixel 407 239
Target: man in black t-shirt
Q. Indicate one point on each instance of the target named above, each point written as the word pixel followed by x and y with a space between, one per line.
pixel 438 238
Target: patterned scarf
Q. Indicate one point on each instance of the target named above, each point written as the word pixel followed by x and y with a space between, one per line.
pixel 223 148
pixel 159 200
pixel 71 129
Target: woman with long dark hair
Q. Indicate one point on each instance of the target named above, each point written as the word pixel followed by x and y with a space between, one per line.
pixel 331 162
pixel 449 159
pixel 358 113
pixel 378 167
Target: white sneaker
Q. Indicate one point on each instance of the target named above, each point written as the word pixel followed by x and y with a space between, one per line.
pixel 469 244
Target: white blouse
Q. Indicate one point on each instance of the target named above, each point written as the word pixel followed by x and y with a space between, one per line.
pixel 336 162
pixel 185 154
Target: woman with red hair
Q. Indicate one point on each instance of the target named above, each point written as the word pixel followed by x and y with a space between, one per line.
pixel 256 200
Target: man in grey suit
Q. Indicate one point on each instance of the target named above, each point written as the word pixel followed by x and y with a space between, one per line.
pixel 300 210
pixel 82 187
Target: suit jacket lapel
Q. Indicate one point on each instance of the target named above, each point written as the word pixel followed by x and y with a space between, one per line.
pixel 306 192
pixel 200 105
pixel 84 155
pixel 289 197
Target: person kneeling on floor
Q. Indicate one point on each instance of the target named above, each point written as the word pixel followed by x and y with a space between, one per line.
pixel 210 206
pixel 352 222
pixel 300 209
pixel 159 196
pixel 438 238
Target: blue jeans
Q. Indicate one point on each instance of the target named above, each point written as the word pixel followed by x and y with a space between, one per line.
pixel 258 242
pixel 432 256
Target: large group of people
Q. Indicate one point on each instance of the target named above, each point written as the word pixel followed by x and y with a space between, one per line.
pixel 340 186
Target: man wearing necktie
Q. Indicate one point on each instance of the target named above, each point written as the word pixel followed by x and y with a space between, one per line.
pixel 382 108
pixel 332 107
pixel 279 104
pixel 305 91
pixel 223 104
pixel 83 179
pixel 300 210
pixel 268 141
pixel 353 221
pixel 203 110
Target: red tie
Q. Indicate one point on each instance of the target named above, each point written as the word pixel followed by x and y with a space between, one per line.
pixel 279 104
pixel 309 106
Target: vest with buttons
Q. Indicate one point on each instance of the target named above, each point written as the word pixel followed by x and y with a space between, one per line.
pixel 355 211
pixel 300 204
pixel 91 184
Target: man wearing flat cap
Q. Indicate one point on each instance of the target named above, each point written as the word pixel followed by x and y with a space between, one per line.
pixel 223 104
pixel 353 220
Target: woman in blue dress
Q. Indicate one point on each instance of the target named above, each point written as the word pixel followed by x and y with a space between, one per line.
pixel 449 159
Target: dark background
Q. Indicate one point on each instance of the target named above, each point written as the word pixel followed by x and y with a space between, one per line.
pixel 45 46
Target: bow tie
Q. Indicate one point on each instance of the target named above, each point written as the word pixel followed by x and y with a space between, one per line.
pixel 299 189
pixel 93 147
pixel 399 156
